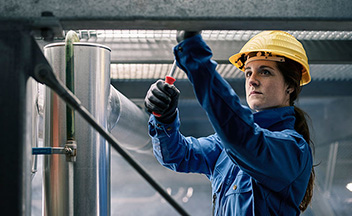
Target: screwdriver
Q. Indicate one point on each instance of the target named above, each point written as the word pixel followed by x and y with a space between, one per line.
pixel 170 80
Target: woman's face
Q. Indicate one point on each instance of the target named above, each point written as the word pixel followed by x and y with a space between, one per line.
pixel 265 86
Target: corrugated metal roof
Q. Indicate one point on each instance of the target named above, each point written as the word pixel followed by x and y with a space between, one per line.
pixel 320 72
pixel 152 71
pixel 237 35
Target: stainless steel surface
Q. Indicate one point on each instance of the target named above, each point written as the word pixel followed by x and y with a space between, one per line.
pixel 32 105
pixel 173 69
pixel 127 122
pixel 29 141
pixel 81 187
pixel 37 107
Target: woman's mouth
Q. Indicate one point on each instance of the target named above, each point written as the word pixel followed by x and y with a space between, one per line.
pixel 254 93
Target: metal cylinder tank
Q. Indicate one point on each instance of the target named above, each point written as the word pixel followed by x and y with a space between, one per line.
pixel 81 187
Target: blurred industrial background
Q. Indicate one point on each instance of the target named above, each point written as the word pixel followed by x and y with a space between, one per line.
pixel 141 35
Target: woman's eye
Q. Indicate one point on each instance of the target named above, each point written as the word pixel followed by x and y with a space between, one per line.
pixel 248 73
pixel 265 72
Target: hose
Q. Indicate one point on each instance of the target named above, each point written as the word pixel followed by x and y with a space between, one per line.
pixel 71 37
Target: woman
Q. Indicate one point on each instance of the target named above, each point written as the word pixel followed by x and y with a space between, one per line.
pixel 259 163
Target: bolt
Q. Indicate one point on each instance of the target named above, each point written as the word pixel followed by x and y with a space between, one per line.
pixel 68 151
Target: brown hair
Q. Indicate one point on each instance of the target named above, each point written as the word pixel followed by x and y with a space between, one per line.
pixel 291 71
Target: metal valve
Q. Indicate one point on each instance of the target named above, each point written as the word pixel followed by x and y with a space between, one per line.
pixel 70 150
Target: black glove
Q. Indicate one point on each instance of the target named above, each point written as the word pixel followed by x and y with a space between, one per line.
pixel 182 35
pixel 162 98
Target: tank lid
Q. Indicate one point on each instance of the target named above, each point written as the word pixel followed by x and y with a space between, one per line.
pixel 77 44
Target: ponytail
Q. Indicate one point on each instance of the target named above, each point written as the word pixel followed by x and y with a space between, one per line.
pixel 291 71
pixel 302 128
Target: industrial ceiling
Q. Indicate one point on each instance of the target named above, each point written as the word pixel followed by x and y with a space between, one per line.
pixel 142 34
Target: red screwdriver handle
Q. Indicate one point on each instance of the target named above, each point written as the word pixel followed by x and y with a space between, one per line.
pixel 170 80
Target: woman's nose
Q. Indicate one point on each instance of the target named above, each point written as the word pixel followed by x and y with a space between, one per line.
pixel 253 80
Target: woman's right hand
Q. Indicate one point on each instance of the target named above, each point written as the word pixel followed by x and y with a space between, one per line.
pixel 162 98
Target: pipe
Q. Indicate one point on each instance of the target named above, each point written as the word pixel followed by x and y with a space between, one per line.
pixel 71 37
pixel 126 121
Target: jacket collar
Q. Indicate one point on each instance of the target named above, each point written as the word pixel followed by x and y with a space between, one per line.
pixel 276 119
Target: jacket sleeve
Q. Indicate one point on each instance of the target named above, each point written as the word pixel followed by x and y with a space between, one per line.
pixel 183 154
pixel 274 159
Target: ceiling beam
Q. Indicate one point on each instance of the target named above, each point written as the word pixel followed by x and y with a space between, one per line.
pixel 189 15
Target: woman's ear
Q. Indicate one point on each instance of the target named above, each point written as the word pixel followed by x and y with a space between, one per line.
pixel 289 90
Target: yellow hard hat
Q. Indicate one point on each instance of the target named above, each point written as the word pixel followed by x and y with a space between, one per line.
pixel 277 43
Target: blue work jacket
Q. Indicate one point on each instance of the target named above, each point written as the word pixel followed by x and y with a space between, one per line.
pixel 257 163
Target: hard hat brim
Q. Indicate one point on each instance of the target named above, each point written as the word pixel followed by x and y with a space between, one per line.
pixel 235 60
